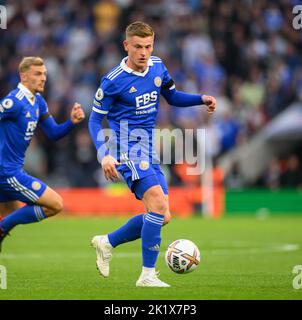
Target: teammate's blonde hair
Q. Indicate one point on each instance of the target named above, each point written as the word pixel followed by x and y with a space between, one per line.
pixel 140 29
pixel 27 62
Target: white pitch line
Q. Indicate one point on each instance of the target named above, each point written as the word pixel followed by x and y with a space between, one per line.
pixel 21 256
pixel 255 250
pixel 273 248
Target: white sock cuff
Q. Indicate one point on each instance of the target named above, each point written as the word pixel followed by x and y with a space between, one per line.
pixel 107 240
pixel 148 270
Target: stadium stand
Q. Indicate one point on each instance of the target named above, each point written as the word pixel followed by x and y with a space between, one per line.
pixel 245 53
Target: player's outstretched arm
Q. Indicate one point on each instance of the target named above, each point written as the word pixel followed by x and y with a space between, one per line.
pixel 55 131
pixel 183 99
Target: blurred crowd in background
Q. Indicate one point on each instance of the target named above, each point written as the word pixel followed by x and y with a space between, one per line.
pixel 245 53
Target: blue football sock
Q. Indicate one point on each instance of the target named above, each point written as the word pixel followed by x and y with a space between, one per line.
pixel 128 232
pixel 24 215
pixel 151 238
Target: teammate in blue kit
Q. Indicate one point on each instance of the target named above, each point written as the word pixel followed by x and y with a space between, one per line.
pixel 21 111
pixel 129 96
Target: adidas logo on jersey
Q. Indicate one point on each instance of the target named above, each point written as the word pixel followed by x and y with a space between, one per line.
pixel 132 89
pixel 27 114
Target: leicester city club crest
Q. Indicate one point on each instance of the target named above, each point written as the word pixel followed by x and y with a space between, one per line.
pixel 36 185
pixel 157 81
pixel 144 165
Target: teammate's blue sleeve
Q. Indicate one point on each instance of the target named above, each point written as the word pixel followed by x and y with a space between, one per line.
pixel 96 133
pixel 51 128
pixel 9 108
pixel 175 97
pixel 56 131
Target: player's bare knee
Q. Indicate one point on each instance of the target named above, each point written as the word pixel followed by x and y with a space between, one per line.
pixel 56 207
pixel 59 205
pixel 167 218
pixel 160 207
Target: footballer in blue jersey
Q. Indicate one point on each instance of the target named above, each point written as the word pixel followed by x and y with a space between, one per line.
pixel 129 97
pixel 21 112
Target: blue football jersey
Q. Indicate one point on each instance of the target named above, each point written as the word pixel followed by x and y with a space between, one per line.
pixel 19 118
pixel 130 100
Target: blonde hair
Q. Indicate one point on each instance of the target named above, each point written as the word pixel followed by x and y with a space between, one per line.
pixel 140 29
pixel 27 62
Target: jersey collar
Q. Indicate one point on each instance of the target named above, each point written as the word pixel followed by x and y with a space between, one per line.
pixel 28 94
pixel 129 70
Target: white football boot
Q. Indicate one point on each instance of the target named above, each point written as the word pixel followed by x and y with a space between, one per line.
pixel 103 254
pixel 150 280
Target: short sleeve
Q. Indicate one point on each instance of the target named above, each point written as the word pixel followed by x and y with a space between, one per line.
pixel 105 96
pixel 9 108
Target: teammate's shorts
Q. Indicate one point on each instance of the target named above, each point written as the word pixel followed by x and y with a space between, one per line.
pixel 143 176
pixel 22 187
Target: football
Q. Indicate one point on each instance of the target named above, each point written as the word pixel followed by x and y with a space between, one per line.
pixel 182 256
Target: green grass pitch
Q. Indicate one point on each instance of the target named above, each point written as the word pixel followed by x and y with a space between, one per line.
pixel 242 257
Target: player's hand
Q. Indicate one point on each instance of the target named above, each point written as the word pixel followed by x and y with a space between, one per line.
pixel 210 102
pixel 77 114
pixel 108 165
